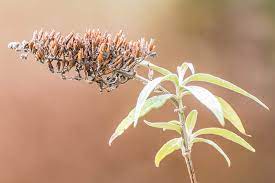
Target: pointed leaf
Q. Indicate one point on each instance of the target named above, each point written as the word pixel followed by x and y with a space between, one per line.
pixel 225 134
pixel 223 83
pixel 231 115
pixel 208 99
pixel 176 122
pixel 191 120
pixel 154 67
pixel 144 94
pixel 167 148
pixel 182 70
pixel 171 125
pixel 187 65
pixel 216 146
pixel 151 103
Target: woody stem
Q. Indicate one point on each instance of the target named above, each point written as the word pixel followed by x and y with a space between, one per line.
pixel 186 150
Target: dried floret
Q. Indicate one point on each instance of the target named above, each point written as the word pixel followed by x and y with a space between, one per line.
pixel 94 57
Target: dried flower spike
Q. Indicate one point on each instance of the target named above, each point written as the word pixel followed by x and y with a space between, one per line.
pixel 93 57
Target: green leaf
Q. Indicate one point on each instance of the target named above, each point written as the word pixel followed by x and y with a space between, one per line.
pixel 171 125
pixel 216 146
pixel 182 70
pixel 223 83
pixel 168 148
pixel 151 103
pixel 154 67
pixel 225 134
pixel 187 65
pixel 208 99
pixel 176 122
pixel 231 115
pixel 144 94
pixel 191 120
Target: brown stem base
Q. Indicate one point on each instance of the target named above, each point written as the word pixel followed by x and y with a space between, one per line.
pixel 190 167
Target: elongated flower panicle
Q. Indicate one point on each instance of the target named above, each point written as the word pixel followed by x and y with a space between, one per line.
pixel 95 57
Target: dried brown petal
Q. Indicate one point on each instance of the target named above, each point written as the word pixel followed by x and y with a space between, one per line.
pixel 95 56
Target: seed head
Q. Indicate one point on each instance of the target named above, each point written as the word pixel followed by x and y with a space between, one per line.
pixel 95 57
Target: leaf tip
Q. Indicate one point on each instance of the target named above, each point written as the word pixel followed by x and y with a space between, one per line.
pixel 267 108
pixel 247 134
pixel 221 120
pixel 112 138
pixel 263 105
pixel 229 164
pixel 156 164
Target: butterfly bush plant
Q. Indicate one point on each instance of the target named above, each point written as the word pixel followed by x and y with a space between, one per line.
pixel 97 57
pixel 185 124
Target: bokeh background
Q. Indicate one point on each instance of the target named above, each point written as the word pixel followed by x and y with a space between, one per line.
pixel 54 131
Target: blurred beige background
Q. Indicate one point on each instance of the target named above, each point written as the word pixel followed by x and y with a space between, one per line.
pixel 54 131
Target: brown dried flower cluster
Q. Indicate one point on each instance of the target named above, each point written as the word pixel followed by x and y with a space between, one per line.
pixel 94 57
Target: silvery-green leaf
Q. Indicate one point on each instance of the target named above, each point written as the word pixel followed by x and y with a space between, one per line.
pixel 182 70
pixel 176 122
pixel 208 99
pixel 171 125
pixel 144 94
pixel 231 115
pixel 154 67
pixel 213 144
pixel 168 148
pixel 225 134
pixel 223 83
pixel 191 120
pixel 151 103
